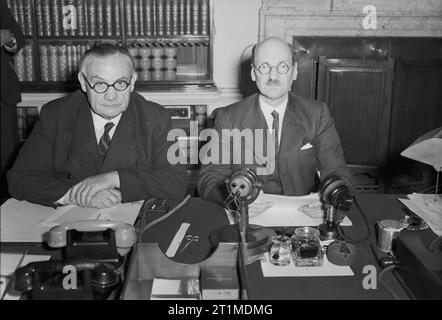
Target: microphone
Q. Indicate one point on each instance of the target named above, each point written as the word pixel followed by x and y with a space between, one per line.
pixel 335 194
pixel 244 187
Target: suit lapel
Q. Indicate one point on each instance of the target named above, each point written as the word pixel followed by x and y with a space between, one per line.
pixel 83 153
pixel 122 150
pixel 293 131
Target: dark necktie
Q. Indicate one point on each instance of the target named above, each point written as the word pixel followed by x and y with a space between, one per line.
pixel 105 140
pixel 275 127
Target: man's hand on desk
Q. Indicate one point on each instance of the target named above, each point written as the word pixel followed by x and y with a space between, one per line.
pixel 105 199
pixel 84 192
pixel 313 210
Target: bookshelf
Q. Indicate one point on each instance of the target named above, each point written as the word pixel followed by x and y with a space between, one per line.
pixel 170 40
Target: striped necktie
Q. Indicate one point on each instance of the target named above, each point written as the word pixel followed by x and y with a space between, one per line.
pixel 275 127
pixel 105 140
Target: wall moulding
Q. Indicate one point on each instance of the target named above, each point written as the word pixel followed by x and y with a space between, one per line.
pixel 400 18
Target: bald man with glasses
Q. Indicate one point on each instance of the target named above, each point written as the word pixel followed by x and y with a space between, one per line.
pixel 304 136
pixel 100 146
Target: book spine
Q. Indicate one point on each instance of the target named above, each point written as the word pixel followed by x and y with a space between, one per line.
pixel 168 18
pixel 154 17
pixel 39 17
pixel 175 30
pixel 29 65
pixel 148 17
pixel 91 17
pixel 129 23
pixel 55 13
pixel 28 17
pixel 19 64
pixel 74 62
pixel 69 63
pixel 21 123
pixel 141 17
pixel 182 12
pixel 100 18
pixel 160 18
pixel 46 17
pixel 135 17
pixel 53 62
pixel 196 15
pixel 205 17
pixel 63 63
pixel 44 63
pixel 79 4
pixel 116 12
pixel 188 22
pixel 108 18
pixel 73 20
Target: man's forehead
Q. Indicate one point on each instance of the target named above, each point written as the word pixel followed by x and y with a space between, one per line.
pixel 110 66
pixel 273 51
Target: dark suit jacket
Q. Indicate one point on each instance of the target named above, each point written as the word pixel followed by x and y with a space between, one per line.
pixel 10 88
pixel 305 121
pixel 62 150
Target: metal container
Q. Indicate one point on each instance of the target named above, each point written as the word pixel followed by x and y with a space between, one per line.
pixel 388 230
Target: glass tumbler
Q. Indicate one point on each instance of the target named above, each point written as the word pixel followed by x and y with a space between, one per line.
pixel 281 250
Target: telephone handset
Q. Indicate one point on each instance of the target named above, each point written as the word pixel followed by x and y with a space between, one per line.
pixel 97 281
pixel 125 235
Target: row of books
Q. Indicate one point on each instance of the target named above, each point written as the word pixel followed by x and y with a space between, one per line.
pixel 24 64
pixel 166 17
pixel 77 17
pixel 102 17
pixel 26 118
pixel 22 13
pixel 60 63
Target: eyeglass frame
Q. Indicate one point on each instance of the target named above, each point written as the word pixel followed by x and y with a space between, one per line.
pixel 108 85
pixel 271 67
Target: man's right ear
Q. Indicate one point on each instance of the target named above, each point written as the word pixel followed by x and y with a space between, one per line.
pixel 82 81
pixel 252 73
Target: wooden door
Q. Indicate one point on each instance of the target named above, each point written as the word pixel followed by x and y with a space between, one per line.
pixel 358 93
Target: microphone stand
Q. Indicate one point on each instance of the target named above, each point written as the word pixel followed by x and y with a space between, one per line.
pixel 329 229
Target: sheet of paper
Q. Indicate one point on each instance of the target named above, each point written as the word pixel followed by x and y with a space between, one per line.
pixel 284 212
pixel 8 264
pixel 327 269
pixel 22 221
pixel 166 286
pixel 425 207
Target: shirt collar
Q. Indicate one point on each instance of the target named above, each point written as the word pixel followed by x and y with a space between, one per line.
pixel 99 121
pixel 268 109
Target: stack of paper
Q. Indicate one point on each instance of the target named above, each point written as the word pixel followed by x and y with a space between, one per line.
pixel 22 221
pixel 282 211
pixel 425 207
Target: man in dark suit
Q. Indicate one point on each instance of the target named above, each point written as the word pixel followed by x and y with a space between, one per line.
pixel 12 40
pixel 98 147
pixel 303 133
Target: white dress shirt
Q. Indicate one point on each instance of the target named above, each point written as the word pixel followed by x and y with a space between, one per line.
pixel 99 123
pixel 267 111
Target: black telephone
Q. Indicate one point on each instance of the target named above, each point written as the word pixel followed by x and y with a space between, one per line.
pixel 64 279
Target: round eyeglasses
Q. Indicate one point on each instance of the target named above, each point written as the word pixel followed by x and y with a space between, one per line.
pixel 265 68
pixel 102 87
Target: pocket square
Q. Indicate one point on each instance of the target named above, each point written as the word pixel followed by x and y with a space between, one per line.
pixel 306 146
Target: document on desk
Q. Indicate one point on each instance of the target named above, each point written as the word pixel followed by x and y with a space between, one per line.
pixel 425 207
pixel 22 221
pixel 8 265
pixel 327 269
pixel 284 211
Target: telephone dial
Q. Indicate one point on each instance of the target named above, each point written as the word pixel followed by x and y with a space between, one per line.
pixel 94 250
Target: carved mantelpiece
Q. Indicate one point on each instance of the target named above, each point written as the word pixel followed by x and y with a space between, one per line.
pixel 395 18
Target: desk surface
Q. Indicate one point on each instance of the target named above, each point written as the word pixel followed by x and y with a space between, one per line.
pixel 204 217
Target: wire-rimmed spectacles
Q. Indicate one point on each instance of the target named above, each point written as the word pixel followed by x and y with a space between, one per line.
pixel 102 87
pixel 266 68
